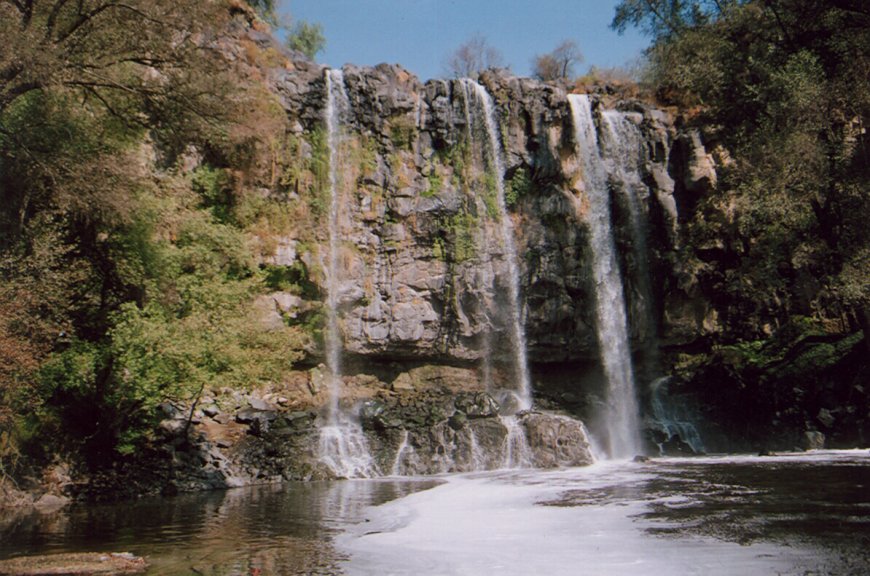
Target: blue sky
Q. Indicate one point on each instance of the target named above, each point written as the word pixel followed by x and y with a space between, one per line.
pixel 420 34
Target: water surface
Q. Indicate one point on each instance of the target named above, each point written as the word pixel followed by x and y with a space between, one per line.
pixel 266 530
pixel 796 514
pixel 806 514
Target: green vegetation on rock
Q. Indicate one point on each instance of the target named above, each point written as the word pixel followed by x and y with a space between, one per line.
pixel 518 185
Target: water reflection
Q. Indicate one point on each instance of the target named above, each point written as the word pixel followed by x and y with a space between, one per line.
pixel 280 530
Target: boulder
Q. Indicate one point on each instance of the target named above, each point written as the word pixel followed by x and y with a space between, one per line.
pixel 476 404
pixel 812 440
pixel 556 440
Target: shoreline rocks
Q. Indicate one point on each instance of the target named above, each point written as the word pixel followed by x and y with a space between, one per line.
pixel 75 564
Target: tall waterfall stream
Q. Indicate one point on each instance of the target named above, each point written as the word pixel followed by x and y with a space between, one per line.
pixel 623 415
pixel 343 446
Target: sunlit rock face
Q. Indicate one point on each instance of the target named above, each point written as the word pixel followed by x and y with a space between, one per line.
pixel 424 274
pixel 465 227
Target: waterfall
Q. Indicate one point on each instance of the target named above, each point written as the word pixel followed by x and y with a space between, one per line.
pixel 342 445
pixel 622 143
pixel 516 452
pixel 483 105
pixel 673 417
pixel 407 462
pixel 622 414
pixel 336 100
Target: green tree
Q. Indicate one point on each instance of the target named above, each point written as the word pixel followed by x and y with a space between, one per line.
pixel 306 38
pixel 109 255
pixel 784 86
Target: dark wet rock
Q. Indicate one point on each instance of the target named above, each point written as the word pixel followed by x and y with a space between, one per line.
pixel 812 440
pixel 251 415
pixel 458 420
pixel 676 446
pixel 826 418
pixel 172 427
pixel 300 420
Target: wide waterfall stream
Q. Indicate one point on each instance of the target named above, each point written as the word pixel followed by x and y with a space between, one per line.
pixel 622 417
pixel 788 514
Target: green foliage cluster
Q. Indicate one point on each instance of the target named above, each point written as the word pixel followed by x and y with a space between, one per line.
pixel 304 169
pixel 192 327
pixel 490 195
pixel 461 234
pixel 317 193
pixel 306 37
pixel 124 284
pixel 769 390
pixel 435 184
pixel 459 158
pixel 518 185
pixel 403 132
pixel 783 86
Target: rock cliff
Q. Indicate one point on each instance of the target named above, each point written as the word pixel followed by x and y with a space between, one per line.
pixel 423 272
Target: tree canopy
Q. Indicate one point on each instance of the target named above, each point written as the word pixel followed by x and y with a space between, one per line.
pixel 306 38
pixel 125 280
pixel 784 86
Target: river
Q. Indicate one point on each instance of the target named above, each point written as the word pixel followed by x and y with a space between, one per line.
pixel 784 514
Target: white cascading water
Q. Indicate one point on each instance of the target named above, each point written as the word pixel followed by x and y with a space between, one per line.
pixel 478 457
pixel 622 143
pixel 622 418
pixel 516 452
pixel 407 462
pixel 674 418
pixel 483 105
pixel 342 445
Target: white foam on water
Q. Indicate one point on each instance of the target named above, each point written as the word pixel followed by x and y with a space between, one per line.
pixel 496 523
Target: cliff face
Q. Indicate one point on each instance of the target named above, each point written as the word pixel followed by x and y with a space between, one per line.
pixel 424 272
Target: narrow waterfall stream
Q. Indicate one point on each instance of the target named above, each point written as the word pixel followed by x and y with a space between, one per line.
pixel 336 100
pixel 622 144
pixel 342 445
pixel 622 418
pixel 516 452
pixel 674 417
pixel 483 106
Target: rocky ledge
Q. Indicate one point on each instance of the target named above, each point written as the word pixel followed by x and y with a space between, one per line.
pixel 78 564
